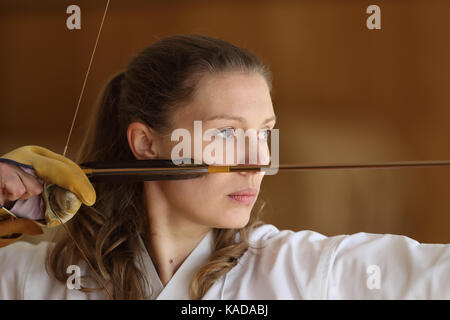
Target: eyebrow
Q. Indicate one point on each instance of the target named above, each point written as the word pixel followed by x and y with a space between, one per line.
pixel 241 119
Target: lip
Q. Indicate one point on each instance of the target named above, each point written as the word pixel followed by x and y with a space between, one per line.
pixel 245 192
pixel 245 196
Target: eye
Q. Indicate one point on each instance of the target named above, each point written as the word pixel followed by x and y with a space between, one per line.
pixel 263 134
pixel 226 133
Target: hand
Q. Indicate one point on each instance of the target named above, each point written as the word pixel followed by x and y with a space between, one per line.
pixel 56 169
pixel 16 184
pixel 65 183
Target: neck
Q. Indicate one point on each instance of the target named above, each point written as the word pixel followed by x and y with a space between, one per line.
pixel 172 238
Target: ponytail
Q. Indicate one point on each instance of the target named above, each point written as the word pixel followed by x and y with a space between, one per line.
pixel 106 123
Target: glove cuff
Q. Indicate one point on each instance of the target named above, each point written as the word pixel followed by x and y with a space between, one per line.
pixel 4 160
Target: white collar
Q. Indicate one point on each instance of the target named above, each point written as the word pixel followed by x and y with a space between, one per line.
pixel 178 286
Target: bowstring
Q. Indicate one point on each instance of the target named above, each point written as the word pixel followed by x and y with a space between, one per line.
pixel 67 144
pixel 85 79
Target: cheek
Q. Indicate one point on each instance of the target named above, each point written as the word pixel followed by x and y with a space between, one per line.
pixel 205 201
pixel 195 195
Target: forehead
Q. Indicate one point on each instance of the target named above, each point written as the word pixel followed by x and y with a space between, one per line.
pixel 236 94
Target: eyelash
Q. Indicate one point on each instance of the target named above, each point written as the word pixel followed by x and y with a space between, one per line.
pixel 232 134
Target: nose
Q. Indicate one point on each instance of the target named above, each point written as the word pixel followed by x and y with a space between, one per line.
pixel 253 178
pixel 254 175
pixel 262 158
pixel 253 152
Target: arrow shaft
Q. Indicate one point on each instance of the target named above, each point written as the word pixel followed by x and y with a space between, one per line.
pixel 142 173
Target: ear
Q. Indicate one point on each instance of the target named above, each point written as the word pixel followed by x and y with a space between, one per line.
pixel 142 140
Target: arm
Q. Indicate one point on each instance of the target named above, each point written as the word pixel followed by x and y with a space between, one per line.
pixel 385 266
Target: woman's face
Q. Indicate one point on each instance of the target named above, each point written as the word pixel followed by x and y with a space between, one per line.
pixel 224 101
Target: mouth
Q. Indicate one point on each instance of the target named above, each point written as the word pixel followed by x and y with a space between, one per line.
pixel 245 196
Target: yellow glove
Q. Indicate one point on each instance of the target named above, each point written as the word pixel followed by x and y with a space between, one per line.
pixel 57 172
pixel 56 169
pixel 13 229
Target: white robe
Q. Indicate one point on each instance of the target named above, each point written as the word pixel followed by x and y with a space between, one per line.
pixel 287 265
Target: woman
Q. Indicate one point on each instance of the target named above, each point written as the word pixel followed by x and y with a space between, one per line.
pixel 196 238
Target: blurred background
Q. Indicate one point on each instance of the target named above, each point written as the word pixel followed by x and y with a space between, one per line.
pixel 342 93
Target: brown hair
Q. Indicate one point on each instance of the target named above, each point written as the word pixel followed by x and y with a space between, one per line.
pixel 155 82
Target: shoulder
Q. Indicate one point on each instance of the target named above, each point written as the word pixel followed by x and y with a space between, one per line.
pixel 304 250
pixel 269 233
pixel 282 265
pixel 273 241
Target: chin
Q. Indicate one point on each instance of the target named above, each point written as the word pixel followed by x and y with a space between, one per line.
pixel 235 220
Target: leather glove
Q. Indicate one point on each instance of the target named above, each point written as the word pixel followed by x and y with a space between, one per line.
pixel 56 171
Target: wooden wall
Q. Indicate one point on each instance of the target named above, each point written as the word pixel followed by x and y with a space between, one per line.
pixel 342 93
